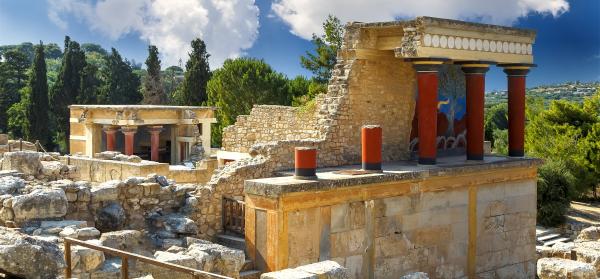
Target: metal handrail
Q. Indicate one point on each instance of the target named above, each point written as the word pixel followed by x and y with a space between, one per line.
pixel 125 256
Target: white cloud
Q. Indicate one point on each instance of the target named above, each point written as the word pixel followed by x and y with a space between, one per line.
pixel 227 26
pixel 305 16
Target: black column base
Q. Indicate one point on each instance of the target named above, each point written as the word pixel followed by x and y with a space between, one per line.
pixel 475 157
pixel 516 153
pixel 371 166
pixel 305 173
pixel 426 161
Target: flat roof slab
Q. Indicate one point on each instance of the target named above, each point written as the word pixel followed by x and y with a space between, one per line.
pixel 331 178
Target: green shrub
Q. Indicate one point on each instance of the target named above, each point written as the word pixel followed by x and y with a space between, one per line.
pixel 500 142
pixel 554 193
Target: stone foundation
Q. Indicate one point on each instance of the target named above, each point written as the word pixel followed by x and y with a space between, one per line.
pixel 450 221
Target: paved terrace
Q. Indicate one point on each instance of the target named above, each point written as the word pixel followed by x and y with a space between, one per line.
pixel 338 177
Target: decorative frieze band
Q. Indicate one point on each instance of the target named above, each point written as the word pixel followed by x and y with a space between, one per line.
pixel 475 44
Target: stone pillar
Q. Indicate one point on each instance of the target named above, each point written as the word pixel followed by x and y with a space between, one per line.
pixel 516 74
pixel 427 100
pixel 129 132
pixel 154 141
pixel 475 86
pixel 111 137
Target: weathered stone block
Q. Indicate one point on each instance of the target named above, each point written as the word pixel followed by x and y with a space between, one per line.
pixel 40 204
pixel 86 259
pixel 340 217
pixel 107 191
pixel 555 268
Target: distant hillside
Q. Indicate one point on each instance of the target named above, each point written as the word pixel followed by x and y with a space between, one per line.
pixel 572 91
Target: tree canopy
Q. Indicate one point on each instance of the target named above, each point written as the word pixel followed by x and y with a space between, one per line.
pixel 121 85
pixel 240 84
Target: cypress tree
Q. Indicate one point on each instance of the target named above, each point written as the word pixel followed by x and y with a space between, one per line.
pixel 154 93
pixel 89 86
pixel 67 88
pixel 38 107
pixel 197 74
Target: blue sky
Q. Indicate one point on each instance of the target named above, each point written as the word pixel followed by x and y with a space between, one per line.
pixel 567 47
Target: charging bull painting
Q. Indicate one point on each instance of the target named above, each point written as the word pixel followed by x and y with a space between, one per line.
pixel 451 125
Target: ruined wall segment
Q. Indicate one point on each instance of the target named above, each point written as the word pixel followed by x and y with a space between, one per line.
pixel 268 123
pixel 364 89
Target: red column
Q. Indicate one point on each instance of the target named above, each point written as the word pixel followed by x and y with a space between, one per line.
pixel 129 133
pixel 516 109
pixel 305 163
pixel 427 100
pixel 371 141
pixel 154 141
pixel 475 85
pixel 111 134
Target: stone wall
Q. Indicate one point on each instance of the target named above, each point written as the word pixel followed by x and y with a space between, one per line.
pixel 449 224
pixel 267 123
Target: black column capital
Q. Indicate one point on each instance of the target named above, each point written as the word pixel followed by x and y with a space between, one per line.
pixel 475 67
pixel 427 64
pixel 517 69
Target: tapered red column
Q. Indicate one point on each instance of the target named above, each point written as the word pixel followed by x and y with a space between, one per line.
pixel 475 99
pixel 427 100
pixel 129 133
pixel 154 141
pixel 516 74
pixel 111 137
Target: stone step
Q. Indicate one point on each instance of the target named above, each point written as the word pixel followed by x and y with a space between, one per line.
pixel 248 265
pixel 541 231
pixel 231 241
pixel 554 241
pixel 250 274
pixel 548 237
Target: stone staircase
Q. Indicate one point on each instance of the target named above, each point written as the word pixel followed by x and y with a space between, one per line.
pixel 237 242
pixel 549 236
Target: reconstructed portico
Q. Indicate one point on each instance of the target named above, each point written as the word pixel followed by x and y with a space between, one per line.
pixel 157 133
pixel 475 47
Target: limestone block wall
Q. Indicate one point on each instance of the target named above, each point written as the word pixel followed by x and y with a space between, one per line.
pixel 478 225
pixel 268 123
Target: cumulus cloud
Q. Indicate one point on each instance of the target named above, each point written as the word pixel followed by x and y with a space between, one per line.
pixel 227 26
pixel 305 16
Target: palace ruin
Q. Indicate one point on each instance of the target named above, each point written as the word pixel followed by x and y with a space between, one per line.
pixel 428 196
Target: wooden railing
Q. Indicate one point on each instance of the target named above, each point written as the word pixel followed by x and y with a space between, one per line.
pixel 126 256
pixel 233 215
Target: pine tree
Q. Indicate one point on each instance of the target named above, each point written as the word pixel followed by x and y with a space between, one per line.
pixel 67 88
pixel 323 60
pixel 13 78
pixel 37 105
pixel 153 89
pixel 120 85
pixel 197 74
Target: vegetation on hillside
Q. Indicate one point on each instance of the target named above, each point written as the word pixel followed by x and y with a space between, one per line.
pixel 566 134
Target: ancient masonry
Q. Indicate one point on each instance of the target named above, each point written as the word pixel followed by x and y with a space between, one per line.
pixel 416 197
